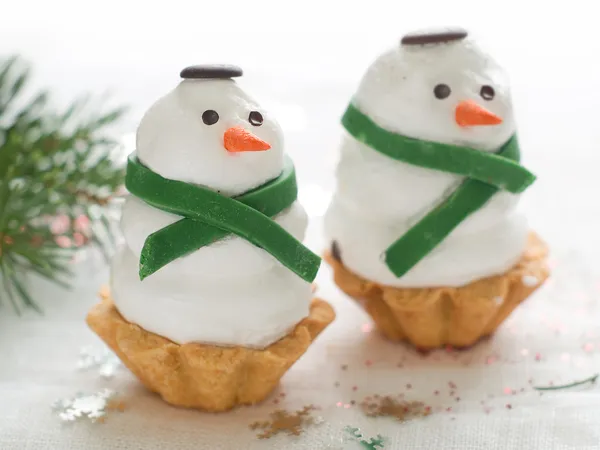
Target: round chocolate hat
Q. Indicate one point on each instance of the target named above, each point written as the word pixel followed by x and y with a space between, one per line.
pixel 434 36
pixel 215 71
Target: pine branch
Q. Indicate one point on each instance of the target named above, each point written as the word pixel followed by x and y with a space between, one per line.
pixel 55 170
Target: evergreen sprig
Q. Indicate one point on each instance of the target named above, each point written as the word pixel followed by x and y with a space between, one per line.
pixel 57 175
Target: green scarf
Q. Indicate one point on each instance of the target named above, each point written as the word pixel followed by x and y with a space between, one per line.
pixel 486 174
pixel 209 217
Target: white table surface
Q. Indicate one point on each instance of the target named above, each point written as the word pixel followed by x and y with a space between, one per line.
pixel 304 64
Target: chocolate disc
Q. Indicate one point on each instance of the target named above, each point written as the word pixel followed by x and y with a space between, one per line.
pixel 434 36
pixel 211 71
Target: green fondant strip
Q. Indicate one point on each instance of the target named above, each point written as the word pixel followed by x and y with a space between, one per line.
pixel 486 174
pixel 209 217
pixel 490 168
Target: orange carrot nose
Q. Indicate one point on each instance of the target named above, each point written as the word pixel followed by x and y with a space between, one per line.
pixel 237 139
pixel 469 113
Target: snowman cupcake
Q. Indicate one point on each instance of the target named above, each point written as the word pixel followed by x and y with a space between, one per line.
pixel 210 298
pixel 423 227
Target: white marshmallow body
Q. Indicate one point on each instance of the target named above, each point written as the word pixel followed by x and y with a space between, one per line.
pixel 231 292
pixel 378 199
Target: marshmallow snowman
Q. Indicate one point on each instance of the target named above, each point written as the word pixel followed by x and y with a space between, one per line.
pixel 209 132
pixel 435 86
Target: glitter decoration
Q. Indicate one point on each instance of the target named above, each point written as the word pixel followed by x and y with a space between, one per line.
pixel 282 421
pixel 105 361
pixel 356 435
pixel 529 280
pixel 590 380
pixel 94 407
pixel 396 407
pixel 366 327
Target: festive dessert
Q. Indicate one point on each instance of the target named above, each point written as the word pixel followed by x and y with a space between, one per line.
pixel 210 297
pixel 424 227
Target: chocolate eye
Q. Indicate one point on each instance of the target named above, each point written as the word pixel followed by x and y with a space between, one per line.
pixel 255 118
pixel 442 91
pixel 487 92
pixel 210 117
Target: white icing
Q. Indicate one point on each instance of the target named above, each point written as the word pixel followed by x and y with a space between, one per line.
pixel 378 199
pixel 231 292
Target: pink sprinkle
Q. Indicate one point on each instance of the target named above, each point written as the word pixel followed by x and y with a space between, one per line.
pixel 282 394
pixel 346 406
pixel 366 327
pixel 339 404
pixel 452 385
pixel 508 406
pixel 63 241
pixel 490 360
pixel 524 352
pixel 538 357
pixel 428 409
pixel 589 347
pixel 507 390
pixel 487 410
pixel 355 388
pixel 368 363
pixel 530 381
pixel 449 409
pixel 409 386
pixel 449 348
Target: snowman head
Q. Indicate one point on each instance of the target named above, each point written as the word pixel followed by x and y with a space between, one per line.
pixel 209 132
pixel 439 86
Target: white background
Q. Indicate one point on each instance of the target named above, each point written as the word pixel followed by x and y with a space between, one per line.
pixel 303 60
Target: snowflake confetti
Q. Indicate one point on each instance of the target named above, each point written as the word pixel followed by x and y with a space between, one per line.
pixel 94 407
pixel 105 361
pixel 374 443
pixel 388 406
pixel 282 421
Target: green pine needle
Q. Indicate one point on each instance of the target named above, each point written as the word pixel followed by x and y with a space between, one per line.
pixel 54 166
